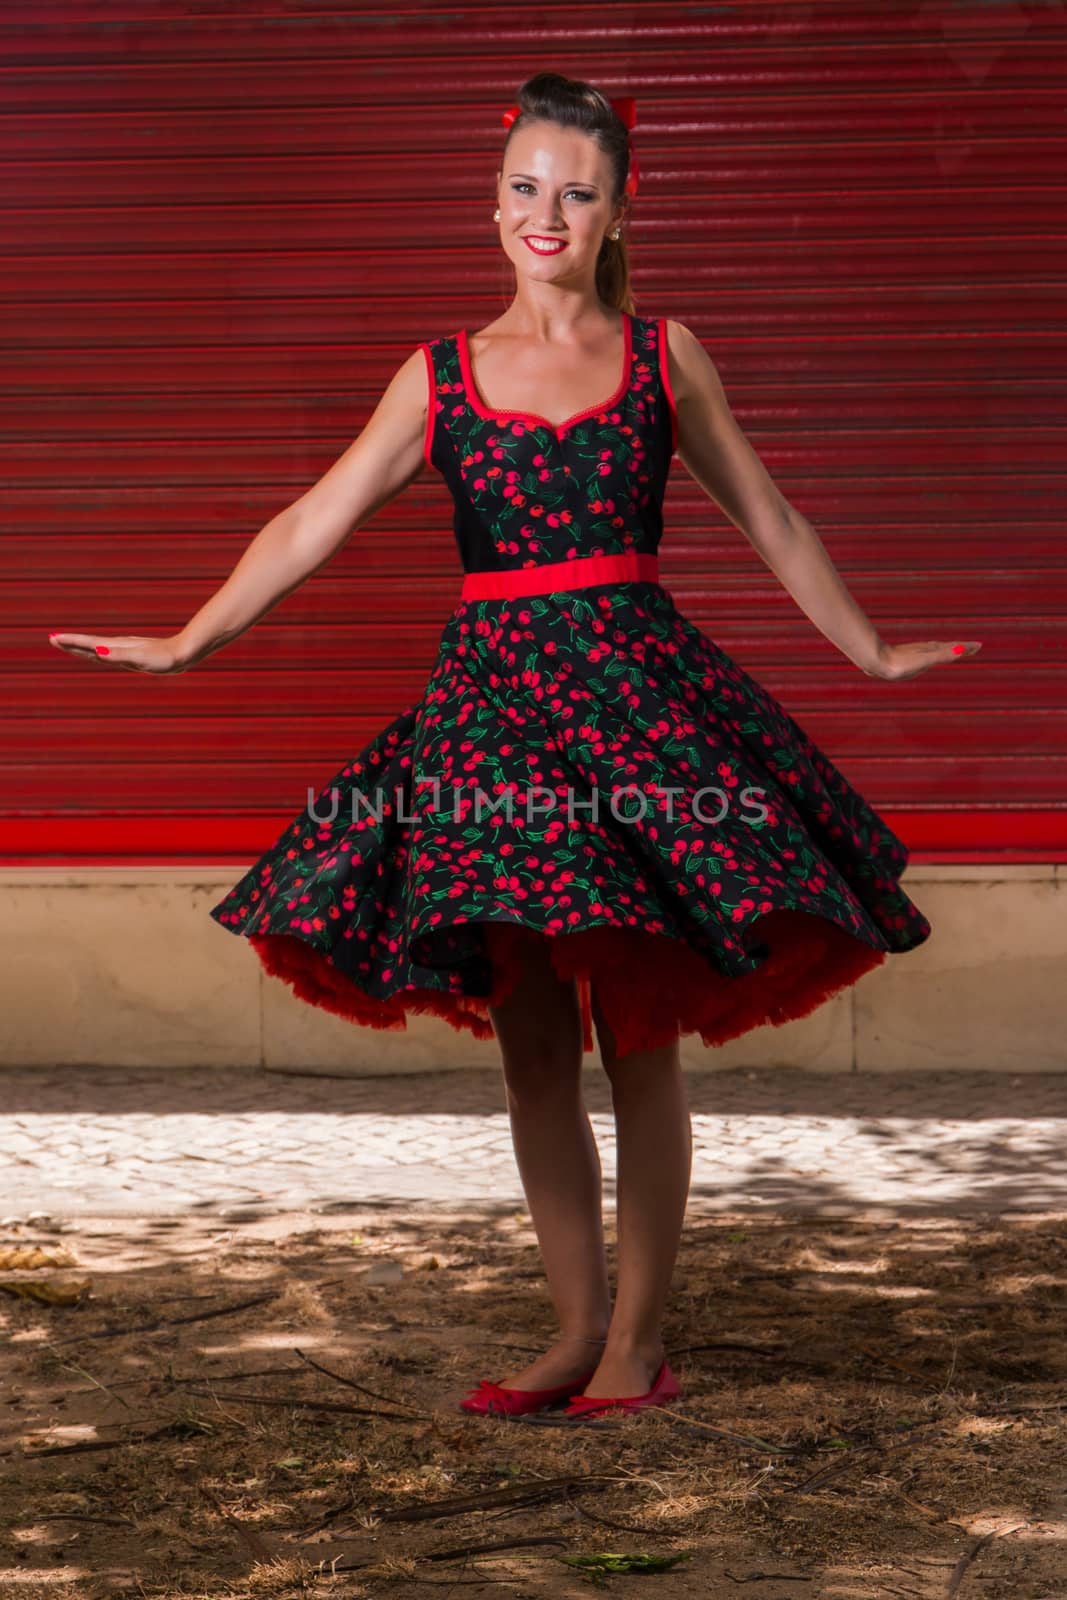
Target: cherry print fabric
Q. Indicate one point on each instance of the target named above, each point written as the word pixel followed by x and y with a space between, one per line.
pixel 587 764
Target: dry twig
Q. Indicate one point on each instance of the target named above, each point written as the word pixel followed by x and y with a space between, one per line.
pixel 349 1383
pixel 172 1322
pixel 298 1403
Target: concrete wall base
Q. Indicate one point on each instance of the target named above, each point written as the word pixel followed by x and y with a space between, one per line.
pixel 123 967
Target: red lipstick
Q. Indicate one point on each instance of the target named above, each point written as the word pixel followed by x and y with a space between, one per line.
pixel 560 243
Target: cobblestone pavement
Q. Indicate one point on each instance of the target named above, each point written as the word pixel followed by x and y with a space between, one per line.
pixel 239 1145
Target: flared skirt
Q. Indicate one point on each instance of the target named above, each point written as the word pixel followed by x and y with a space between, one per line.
pixel 591 766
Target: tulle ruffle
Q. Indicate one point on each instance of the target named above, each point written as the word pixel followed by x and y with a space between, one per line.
pixel 650 989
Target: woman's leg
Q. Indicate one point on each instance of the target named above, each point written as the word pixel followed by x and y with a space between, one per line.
pixel 654 1161
pixel 539 1028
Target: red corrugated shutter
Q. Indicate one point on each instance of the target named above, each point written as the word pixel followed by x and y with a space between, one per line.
pixel 226 227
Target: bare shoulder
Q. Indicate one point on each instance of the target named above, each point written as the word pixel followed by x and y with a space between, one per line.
pixel 692 370
pixel 404 398
pixel 410 376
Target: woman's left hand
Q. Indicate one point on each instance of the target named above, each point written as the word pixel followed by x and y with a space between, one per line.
pixel 908 660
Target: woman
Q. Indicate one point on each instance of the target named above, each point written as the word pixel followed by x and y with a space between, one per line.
pixel 566 669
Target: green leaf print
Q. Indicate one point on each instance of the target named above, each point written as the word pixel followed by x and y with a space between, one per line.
pixel 592 695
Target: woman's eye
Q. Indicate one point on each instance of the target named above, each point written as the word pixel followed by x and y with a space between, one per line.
pixel 581 193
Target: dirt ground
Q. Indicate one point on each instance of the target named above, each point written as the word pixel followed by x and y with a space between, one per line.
pixel 871 1407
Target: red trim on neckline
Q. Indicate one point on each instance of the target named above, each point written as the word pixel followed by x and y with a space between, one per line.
pixel 491 413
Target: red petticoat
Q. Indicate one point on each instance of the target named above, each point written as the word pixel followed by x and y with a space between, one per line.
pixel 650 988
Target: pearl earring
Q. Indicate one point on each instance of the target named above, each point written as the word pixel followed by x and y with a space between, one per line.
pixel 614 235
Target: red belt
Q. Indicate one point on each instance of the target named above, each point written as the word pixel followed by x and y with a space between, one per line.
pixel 555 576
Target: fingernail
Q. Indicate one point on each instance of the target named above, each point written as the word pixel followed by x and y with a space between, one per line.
pixel 958 649
pixel 53 635
pixel 102 650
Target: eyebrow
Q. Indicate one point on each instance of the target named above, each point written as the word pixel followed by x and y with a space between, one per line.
pixel 584 182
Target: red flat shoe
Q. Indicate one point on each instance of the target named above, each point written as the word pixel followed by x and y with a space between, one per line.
pixel 494 1397
pixel 666 1387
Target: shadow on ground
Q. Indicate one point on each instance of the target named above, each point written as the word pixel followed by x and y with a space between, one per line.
pixel 872 1406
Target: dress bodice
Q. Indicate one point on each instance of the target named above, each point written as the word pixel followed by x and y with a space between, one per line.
pixel 527 493
pixel 585 765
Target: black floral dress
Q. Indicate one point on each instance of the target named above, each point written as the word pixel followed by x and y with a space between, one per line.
pixel 584 762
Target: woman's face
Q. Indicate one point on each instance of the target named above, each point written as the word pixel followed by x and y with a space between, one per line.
pixel 555 187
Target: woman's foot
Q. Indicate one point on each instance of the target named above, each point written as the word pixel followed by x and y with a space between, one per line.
pixel 626 1370
pixel 567 1358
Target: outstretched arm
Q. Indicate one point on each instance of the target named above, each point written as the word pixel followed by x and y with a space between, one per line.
pixel 714 450
pixel 383 459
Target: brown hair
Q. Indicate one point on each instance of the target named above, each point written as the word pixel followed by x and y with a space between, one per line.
pixel 573 103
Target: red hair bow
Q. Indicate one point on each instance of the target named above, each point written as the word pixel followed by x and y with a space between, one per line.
pixel 626 108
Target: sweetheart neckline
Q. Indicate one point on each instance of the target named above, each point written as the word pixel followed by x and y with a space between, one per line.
pixel 490 413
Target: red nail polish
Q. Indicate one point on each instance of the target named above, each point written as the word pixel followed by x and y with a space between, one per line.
pixel 53 635
pixel 102 650
pixel 958 649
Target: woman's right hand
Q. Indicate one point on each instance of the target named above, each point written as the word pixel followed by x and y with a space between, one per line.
pixel 131 651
